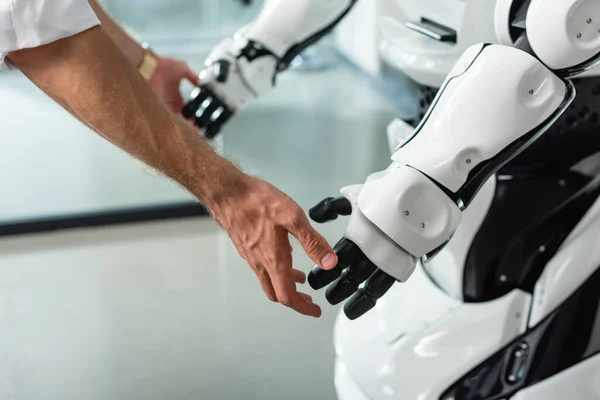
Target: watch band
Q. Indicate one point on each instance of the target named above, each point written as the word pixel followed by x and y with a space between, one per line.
pixel 149 63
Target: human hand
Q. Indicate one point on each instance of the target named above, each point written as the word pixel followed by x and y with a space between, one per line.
pixel 166 80
pixel 258 221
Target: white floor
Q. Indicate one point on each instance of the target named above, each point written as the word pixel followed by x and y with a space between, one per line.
pixel 152 311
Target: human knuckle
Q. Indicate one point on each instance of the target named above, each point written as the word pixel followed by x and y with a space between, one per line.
pixel 271 297
pixel 262 273
pixel 313 244
pixel 291 216
pixel 298 217
pixel 285 300
pixel 279 269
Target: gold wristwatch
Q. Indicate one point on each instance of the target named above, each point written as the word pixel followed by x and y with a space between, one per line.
pixel 149 62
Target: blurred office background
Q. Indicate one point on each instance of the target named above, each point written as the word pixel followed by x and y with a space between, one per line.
pixel 167 309
pixel 182 20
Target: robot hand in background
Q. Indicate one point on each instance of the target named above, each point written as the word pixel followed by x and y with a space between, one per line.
pixel 245 67
pixel 237 71
pixel 411 210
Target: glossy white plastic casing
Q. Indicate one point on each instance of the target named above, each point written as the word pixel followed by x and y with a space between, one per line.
pixel 446 269
pixel 564 33
pixel 379 248
pixel 421 338
pixel 402 206
pixel 399 215
pixel 503 94
pixel 418 341
pixel 426 60
pixel 282 23
pixel 397 132
pixel 502 21
pixel 245 81
pixel 577 259
pixel 409 208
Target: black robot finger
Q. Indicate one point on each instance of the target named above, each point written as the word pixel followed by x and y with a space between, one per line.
pixel 189 110
pixel 205 112
pixel 329 209
pixel 211 131
pixel 348 283
pixel 219 117
pixel 197 123
pixel 366 298
pixel 347 252
pixel 198 96
pixel 222 115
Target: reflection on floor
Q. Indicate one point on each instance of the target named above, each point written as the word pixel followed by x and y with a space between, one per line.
pixel 153 311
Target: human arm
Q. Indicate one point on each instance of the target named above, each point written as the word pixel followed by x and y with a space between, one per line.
pixel 88 76
pixel 129 46
pixel 166 78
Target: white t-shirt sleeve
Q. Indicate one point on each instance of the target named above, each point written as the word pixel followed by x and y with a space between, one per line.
pixel 31 23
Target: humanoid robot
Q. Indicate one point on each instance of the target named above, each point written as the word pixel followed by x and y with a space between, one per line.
pixel 490 205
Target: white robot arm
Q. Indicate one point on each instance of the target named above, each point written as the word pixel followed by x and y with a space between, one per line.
pixel 495 103
pixel 244 67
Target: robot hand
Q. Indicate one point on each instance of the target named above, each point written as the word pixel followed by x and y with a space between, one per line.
pixel 369 252
pixel 237 71
pixel 354 267
pixel 411 210
pixel 245 67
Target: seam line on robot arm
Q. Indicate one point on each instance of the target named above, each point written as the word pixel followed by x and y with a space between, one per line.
pixel 253 51
pixel 483 171
pixel 578 69
pixel 298 48
pixel 522 43
pixel 479 175
pixel 250 88
pixel 437 97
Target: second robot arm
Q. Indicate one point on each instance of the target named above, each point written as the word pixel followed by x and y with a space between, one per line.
pixel 244 67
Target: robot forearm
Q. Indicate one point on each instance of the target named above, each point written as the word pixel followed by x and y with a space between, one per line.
pixel 287 27
pixel 244 67
pixel 495 103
